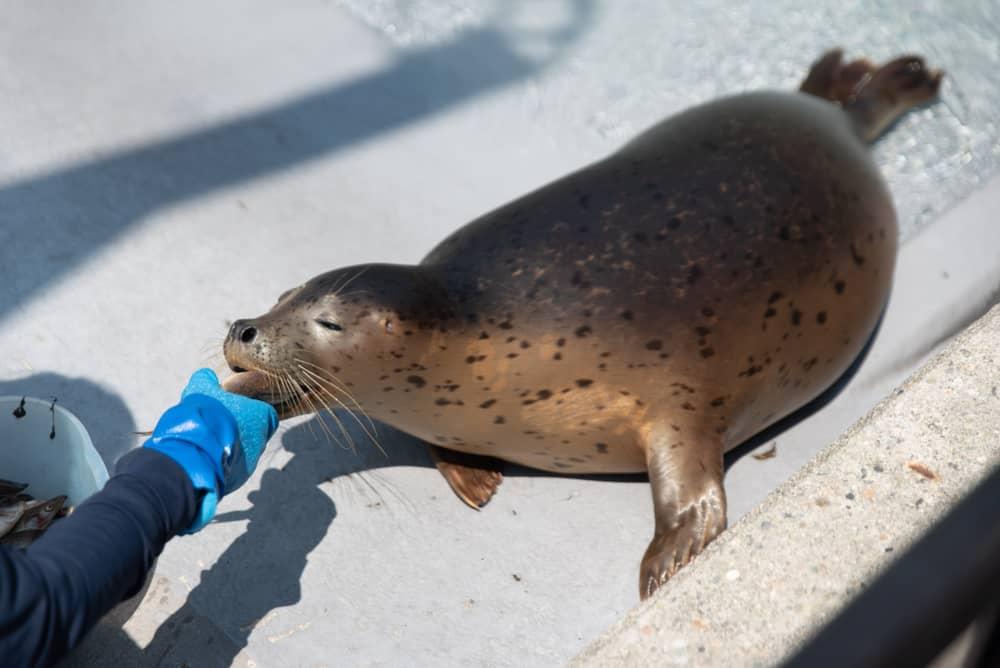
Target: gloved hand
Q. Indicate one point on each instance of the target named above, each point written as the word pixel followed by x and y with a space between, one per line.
pixel 216 437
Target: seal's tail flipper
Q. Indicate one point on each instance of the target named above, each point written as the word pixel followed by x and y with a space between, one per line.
pixel 873 96
pixel 474 478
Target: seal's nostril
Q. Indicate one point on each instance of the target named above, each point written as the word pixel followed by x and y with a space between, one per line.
pixel 248 334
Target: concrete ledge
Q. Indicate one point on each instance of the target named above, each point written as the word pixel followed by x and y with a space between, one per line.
pixel 791 564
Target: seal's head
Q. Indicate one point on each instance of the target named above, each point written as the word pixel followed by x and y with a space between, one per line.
pixel 334 336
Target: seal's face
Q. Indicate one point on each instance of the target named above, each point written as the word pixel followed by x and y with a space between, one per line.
pixel 324 342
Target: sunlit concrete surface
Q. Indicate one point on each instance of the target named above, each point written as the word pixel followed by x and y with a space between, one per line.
pixel 168 167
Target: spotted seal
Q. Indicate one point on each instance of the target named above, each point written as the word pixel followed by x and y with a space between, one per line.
pixel 644 314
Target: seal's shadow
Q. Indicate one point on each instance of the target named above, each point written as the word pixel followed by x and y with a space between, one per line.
pixel 261 570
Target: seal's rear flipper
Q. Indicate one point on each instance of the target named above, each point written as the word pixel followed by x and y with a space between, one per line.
pixel 474 478
pixel 873 96
pixel 689 501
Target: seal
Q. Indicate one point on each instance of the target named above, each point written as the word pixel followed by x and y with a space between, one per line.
pixel 644 314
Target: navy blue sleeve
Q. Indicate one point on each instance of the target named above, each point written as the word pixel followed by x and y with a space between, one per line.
pixel 52 593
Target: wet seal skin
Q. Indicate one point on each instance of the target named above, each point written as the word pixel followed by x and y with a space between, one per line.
pixel 646 313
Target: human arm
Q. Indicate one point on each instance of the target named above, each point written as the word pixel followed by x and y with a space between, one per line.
pixel 52 593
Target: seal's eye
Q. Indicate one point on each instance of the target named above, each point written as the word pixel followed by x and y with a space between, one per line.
pixel 332 326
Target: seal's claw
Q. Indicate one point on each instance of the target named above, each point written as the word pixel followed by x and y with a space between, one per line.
pixel 473 478
pixel 908 80
pixel 689 501
pixel 670 551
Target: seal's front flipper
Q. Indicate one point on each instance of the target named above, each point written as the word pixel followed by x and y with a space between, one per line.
pixel 474 478
pixel 873 96
pixel 689 502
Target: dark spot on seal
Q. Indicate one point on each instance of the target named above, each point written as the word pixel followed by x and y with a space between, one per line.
pixel 688 406
pixel 557 356
pixel 601 448
pixel 525 344
pixel 821 317
pixel 387 388
pixel 561 342
pixel 511 339
pixel 694 273
pixel 487 403
pixel 839 287
pixel 702 331
pixel 858 259
pixel 584 382
pixel 511 355
pixel 505 325
pixel 809 364
pixel 775 296
pixel 483 335
pixel 655 344
pixel 796 317
pixel 707 352
pixel 442 401
pixel 770 312
pixel 470 359
pixel 606 353
pixel 499 419
pixel 707 311
pixel 416 380
pixel 544 394
pixel 718 401
pixel 583 331
pixel 627 315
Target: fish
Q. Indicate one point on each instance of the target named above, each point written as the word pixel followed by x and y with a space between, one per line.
pixel 40 515
pixel 10 488
pixel 10 515
pixel 22 539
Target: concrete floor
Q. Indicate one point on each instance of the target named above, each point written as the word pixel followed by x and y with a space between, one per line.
pixel 166 168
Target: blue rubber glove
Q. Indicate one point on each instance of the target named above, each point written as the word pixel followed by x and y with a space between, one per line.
pixel 217 438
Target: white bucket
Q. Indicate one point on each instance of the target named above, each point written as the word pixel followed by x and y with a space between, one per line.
pixel 49 448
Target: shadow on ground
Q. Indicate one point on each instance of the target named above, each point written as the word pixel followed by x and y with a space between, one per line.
pixel 73 212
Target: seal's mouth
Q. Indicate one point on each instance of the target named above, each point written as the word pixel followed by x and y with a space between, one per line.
pixel 287 397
